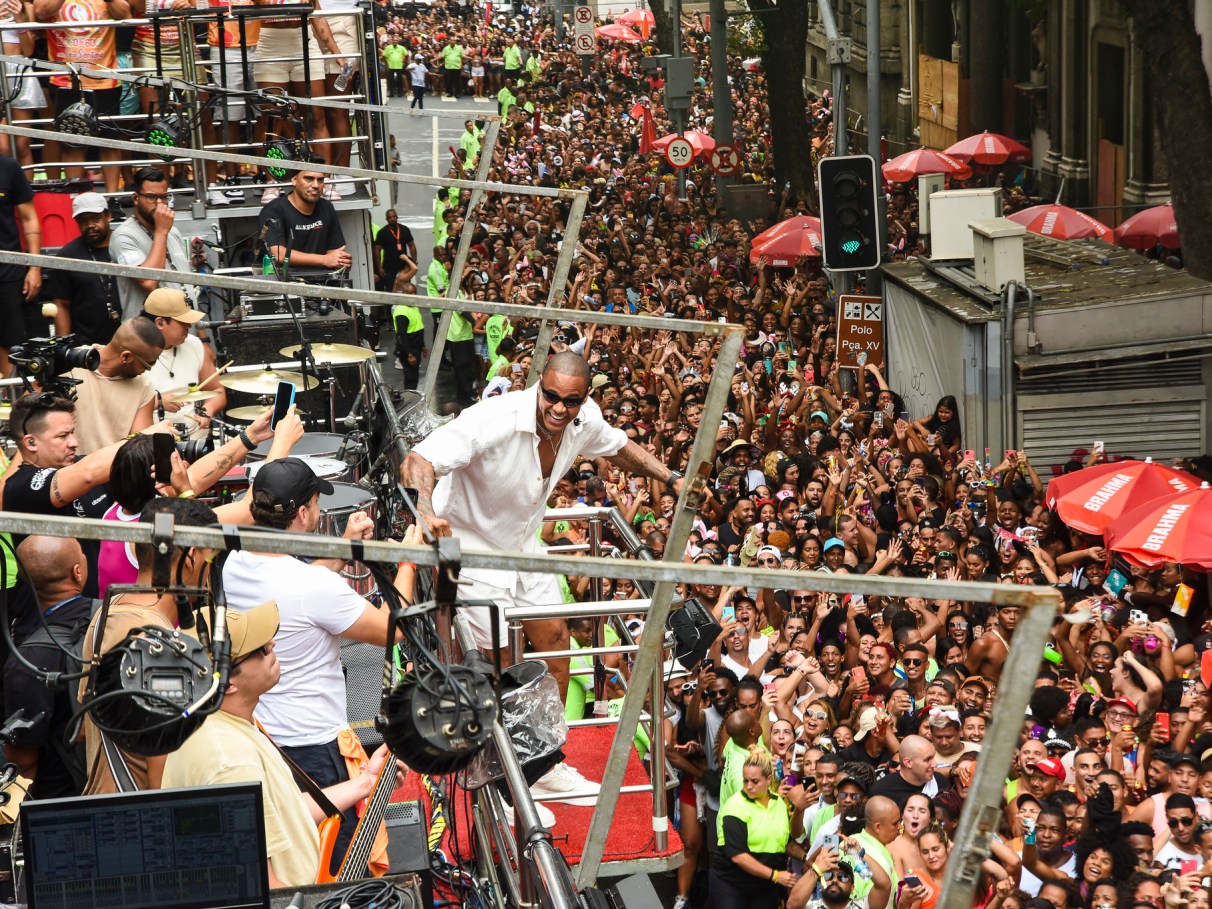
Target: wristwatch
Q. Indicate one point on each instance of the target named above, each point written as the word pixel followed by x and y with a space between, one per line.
pixel 674 476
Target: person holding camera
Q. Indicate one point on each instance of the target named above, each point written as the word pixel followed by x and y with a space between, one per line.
pixel 118 398
pixel 184 362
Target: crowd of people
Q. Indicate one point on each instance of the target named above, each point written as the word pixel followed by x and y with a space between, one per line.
pixel 825 745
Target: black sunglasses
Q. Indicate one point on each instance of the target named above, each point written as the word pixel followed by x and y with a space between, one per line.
pixel 1175 821
pixel 912 662
pixel 263 650
pixel 716 694
pixel 572 401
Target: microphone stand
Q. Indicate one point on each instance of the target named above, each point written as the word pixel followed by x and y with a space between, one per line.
pixel 304 355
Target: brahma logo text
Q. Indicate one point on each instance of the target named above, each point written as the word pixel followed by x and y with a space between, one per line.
pixel 1162 529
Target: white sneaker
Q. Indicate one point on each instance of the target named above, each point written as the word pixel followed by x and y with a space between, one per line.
pixel 681 902
pixel 546 818
pixel 271 193
pixel 215 196
pixel 562 780
pixel 331 193
pixel 345 187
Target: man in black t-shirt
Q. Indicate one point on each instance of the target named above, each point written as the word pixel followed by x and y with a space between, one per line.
pixel 916 773
pixel 57 569
pixel 393 243
pixel 88 304
pixel 304 225
pixel 17 284
pixel 50 480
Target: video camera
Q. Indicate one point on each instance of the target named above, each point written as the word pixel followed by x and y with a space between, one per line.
pixel 47 359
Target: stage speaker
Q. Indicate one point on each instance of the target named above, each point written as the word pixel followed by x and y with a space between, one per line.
pixel 259 341
pixel 408 845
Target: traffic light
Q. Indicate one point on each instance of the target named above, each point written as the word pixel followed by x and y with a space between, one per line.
pixel 849 213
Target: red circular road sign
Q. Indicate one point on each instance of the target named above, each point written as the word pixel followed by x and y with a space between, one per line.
pixel 725 160
pixel 583 15
pixel 679 153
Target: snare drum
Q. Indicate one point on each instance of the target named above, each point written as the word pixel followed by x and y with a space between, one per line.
pixel 325 468
pixel 335 509
pixel 321 448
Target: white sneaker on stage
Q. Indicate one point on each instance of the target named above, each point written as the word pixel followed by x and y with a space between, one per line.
pixel 546 818
pixel 216 196
pixel 345 187
pixel 563 780
pixel 331 193
pixel 271 193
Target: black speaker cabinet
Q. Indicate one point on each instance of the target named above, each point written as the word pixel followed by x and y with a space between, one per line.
pixel 260 340
pixel 407 845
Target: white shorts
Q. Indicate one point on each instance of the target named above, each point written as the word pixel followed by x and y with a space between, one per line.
pixel 479 618
pixel 345 32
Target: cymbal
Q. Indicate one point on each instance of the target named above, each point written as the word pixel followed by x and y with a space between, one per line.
pixel 332 353
pixel 264 382
pixel 194 394
pixel 248 413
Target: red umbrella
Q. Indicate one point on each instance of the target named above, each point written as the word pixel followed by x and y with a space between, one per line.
pixel 912 164
pixel 1175 528
pixel 788 241
pixel 640 19
pixel 703 144
pixel 1090 499
pixel 990 148
pixel 1147 228
pixel 619 32
pixel 1061 222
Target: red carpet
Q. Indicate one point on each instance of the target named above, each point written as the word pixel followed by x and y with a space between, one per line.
pixel 587 748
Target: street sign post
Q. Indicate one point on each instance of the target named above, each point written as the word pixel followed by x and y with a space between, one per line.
pixel 725 161
pixel 679 153
pixel 584 38
pixel 860 331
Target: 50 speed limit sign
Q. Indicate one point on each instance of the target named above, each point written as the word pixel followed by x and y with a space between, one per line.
pixel 679 153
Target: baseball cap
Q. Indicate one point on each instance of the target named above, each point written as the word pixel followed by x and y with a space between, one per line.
pixel 170 303
pixel 89 204
pixel 769 551
pixel 819 413
pixel 978 681
pixel 599 380
pixel 866 722
pixel 290 483
pixel 1183 757
pixel 1049 767
pixel 1121 702
pixel 833 543
pixel 251 630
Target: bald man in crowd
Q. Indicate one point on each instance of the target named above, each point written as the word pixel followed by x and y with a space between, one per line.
pixel 58 570
pixel 119 397
pixel 916 773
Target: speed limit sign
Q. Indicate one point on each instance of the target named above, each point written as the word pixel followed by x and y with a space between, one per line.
pixel 679 153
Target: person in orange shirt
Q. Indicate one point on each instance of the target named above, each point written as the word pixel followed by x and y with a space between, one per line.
pixel 93 48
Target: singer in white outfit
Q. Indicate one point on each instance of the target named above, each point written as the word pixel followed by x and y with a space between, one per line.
pixel 486 476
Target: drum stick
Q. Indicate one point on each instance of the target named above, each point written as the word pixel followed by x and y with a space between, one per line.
pixel 217 372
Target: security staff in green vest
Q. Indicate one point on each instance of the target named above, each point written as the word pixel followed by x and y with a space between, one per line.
pixel 452 66
pixel 749 870
pixel 395 55
pixel 513 60
pixel 460 341
pixel 470 142
pixel 506 98
pixel 410 332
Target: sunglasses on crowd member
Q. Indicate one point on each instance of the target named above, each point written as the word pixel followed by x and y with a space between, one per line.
pixel 263 650
pixel 1185 821
pixel 912 662
pixel 571 402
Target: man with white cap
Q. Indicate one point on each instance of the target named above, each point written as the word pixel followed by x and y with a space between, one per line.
pixel 87 304
pixel 184 361
pixel 231 747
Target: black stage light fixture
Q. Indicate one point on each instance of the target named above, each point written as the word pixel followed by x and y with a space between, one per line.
pixel 168 133
pixel 437 721
pixel 78 119
pixel 694 630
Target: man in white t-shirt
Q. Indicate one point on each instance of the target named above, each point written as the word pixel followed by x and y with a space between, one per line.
pixel 305 712
pixel 184 362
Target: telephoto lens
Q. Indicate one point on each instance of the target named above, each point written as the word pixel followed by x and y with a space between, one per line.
pixel 192 450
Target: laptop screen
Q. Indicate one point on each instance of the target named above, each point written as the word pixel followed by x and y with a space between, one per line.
pixel 200 848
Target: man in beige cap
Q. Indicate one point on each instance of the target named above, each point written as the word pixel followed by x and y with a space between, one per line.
pixel 231 748
pixel 184 361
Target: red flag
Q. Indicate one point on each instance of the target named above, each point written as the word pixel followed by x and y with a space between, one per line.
pixel 488 13
pixel 637 110
pixel 537 120
pixel 647 132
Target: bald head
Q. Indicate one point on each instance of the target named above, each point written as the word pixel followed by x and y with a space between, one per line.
pixel 882 817
pixel 138 334
pixel 917 756
pixel 743 727
pixel 55 566
pixel 567 363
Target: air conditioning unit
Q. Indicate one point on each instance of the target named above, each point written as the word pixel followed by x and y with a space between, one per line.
pixel 951 211
pixel 998 248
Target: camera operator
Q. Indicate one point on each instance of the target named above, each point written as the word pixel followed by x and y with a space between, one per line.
pixel 118 398
pixel 303 226
pixel 184 361
pixel 88 304
pixel 57 569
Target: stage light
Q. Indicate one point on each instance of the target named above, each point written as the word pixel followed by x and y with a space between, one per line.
pixel 151 690
pixel 168 132
pixel 694 630
pixel 78 119
pixel 438 721
pixel 281 150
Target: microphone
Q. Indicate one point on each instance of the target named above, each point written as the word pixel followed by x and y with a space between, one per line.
pixel 296 902
pixel 217 323
pixel 159 407
pixel 576 422
pixel 350 420
pixel 265 232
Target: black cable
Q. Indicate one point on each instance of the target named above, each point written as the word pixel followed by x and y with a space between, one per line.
pixel 379 893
